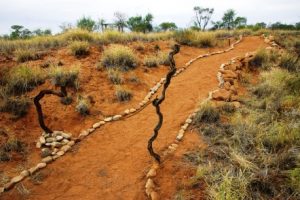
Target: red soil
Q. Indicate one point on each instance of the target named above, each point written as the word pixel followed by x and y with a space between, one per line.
pixel 112 162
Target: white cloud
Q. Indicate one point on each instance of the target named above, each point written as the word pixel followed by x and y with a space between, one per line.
pixel 51 13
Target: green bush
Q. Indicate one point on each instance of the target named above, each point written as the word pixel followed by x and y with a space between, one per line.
pixel 117 56
pixel 79 48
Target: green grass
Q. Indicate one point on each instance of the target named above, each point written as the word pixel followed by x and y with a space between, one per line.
pixel 118 56
pixel 18 106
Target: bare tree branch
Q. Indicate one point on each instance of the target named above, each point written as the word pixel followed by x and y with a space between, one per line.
pixel 157 101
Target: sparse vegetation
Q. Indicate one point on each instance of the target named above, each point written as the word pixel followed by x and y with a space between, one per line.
pixel 18 106
pixel 151 61
pixel 118 56
pixel 195 38
pixel 65 77
pixel 83 105
pixel 24 78
pixel 23 55
pixel 123 94
pixel 79 48
pixel 253 152
pixel 115 76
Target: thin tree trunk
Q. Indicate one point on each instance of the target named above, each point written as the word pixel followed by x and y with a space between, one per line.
pixel 157 101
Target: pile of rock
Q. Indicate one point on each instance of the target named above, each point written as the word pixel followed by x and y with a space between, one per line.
pixel 50 144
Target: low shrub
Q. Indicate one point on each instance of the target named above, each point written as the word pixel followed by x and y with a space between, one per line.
pixel 196 38
pixel 260 58
pixel 289 62
pixel 15 145
pixel 23 55
pixel 163 58
pixel 123 94
pixel 18 106
pixel 24 78
pixel 207 114
pixel 79 48
pixel 83 105
pixel 117 56
pixel 65 77
pixel 151 61
pixel 115 76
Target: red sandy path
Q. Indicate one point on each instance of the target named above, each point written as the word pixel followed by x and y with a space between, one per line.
pixel 112 162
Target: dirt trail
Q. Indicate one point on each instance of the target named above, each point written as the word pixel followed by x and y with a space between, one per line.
pixel 112 162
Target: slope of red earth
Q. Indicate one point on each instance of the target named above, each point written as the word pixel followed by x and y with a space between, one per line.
pixel 92 83
pixel 112 162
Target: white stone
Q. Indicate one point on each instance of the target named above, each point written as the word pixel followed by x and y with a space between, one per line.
pixel 96 125
pixel 38 145
pixel 42 140
pixel 60 153
pixel 154 195
pixel 90 130
pixel 17 179
pixel 127 111
pixel 149 183
pixel 132 110
pixel 108 119
pixel 48 159
pixel 84 133
pixel 50 140
pixel 24 173
pixel 151 173
pixel 185 126
pixel 32 170
pixel 180 136
pixel 188 121
pixel 41 165
pixel 117 117
pixel 65 148
pixel 66 135
pixel 1 190
pixel 59 138
pixel 71 143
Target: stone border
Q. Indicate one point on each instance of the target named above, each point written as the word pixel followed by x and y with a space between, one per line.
pixel 128 112
pixel 150 187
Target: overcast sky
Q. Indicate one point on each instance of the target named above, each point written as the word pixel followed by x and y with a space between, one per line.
pixel 51 13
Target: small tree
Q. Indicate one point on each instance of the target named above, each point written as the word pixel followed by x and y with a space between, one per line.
pixel 202 17
pixel 120 21
pixel 140 24
pixel 229 19
pixel 16 31
pixel 240 22
pixel 86 23
pixel 166 26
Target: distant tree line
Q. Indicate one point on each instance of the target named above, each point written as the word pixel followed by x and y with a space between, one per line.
pixel 144 24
